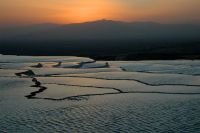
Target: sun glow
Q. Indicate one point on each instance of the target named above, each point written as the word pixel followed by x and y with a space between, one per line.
pixel 90 10
pixel 75 11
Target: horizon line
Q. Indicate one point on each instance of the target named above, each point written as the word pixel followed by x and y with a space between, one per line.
pixel 121 21
pixel 104 19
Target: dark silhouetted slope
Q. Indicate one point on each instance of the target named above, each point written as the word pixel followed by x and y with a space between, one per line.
pixel 104 38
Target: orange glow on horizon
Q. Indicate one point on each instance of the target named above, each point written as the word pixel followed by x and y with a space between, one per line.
pixel 89 10
pixel 77 11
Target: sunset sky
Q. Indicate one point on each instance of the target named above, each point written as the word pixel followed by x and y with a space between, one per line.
pixel 75 11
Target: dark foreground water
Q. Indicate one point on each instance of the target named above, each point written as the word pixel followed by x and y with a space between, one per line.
pixel 81 95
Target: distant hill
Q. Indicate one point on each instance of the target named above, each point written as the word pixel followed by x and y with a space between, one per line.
pixel 104 29
pixel 102 37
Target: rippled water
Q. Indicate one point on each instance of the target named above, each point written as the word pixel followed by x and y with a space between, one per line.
pixel 83 97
